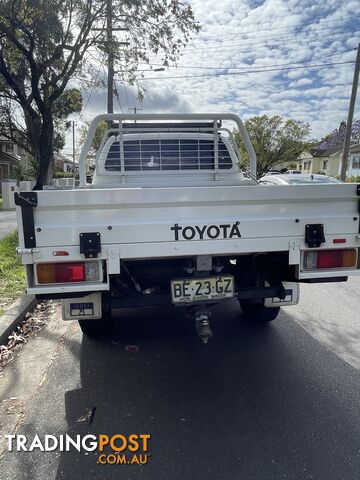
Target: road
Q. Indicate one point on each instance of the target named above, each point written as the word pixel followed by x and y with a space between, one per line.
pixel 7 222
pixel 280 402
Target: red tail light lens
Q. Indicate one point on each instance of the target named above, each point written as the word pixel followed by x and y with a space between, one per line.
pixel 340 258
pixel 61 272
pixel 330 259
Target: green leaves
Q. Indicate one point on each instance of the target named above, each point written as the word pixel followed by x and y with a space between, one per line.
pixel 29 171
pixel 68 103
pixel 99 134
pixel 44 44
pixel 275 140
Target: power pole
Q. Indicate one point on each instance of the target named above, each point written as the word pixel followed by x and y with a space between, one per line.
pixel 73 152
pixel 109 49
pixel 350 116
pixel 110 46
pixel 135 110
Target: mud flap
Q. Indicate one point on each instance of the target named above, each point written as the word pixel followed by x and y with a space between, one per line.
pixel 292 297
pixel 84 308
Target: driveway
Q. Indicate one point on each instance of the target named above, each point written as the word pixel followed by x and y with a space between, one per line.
pixel 7 222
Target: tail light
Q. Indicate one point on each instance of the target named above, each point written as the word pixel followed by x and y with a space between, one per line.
pixel 339 258
pixel 69 272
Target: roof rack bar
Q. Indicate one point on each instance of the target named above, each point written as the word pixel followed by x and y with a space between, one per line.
pixel 178 125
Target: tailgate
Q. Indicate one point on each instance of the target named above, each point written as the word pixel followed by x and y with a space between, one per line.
pixel 181 221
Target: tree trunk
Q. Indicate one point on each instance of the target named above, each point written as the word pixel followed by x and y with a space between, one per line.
pixel 44 148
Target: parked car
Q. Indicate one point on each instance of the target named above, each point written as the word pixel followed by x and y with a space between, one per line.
pixel 291 172
pixel 297 179
pixel 171 219
pixel 273 172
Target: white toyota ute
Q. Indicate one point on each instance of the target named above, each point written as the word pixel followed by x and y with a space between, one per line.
pixel 170 218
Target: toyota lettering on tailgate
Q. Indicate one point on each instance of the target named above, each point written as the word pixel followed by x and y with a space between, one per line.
pixel 206 232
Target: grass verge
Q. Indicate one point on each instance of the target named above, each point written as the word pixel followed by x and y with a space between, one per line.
pixel 12 273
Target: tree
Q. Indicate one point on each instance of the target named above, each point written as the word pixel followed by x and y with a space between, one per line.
pixel 101 129
pixel 69 102
pixel 44 44
pixel 12 129
pixel 337 136
pixel 275 140
pixel 28 171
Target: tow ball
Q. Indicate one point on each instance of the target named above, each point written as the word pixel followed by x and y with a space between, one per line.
pixel 202 326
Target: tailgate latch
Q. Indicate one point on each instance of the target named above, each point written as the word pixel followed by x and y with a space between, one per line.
pixel 90 244
pixel 314 235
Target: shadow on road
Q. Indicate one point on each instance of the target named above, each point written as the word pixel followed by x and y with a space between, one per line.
pixel 255 403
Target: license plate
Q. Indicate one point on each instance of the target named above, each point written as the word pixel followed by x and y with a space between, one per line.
pixel 200 289
pixel 81 309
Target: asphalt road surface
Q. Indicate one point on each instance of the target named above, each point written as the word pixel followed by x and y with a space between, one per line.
pixel 280 402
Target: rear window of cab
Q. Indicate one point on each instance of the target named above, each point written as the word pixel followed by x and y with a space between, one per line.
pixel 168 154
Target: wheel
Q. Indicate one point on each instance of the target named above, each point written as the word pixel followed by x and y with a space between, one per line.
pixel 97 328
pixel 255 312
pixel 93 328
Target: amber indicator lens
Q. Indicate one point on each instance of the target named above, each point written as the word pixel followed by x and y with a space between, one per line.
pixel 61 272
pixel 339 258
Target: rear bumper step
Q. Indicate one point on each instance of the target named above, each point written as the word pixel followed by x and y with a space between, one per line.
pixel 158 299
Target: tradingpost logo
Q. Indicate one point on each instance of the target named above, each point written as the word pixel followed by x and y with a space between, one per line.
pixel 116 449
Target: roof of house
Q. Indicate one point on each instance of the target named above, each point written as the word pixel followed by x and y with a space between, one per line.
pixel 6 157
pixel 63 158
pixel 60 156
pixel 4 139
pixel 355 147
pixel 325 152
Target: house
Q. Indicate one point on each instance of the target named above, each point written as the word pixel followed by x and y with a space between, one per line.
pixel 353 167
pixel 63 163
pixel 321 160
pixel 11 155
pixel 328 161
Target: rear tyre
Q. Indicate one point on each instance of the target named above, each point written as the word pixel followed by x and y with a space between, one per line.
pixel 93 328
pixel 257 312
pixel 97 328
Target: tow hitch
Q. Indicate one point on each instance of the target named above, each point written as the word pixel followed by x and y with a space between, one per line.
pixel 202 325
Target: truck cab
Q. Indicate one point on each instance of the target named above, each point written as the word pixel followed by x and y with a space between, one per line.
pixel 178 155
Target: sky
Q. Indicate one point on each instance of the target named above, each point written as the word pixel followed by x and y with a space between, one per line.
pixel 252 58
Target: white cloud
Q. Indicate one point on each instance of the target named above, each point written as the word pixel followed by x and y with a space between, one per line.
pixel 301 82
pixel 250 35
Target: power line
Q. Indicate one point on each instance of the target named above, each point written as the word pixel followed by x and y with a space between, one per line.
pixel 127 96
pixel 219 74
pixel 86 104
pixel 351 19
pixel 270 36
pixel 94 85
pixel 134 96
pixel 233 68
pixel 243 70
pixel 291 39
pixel 88 99
pixel 253 50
